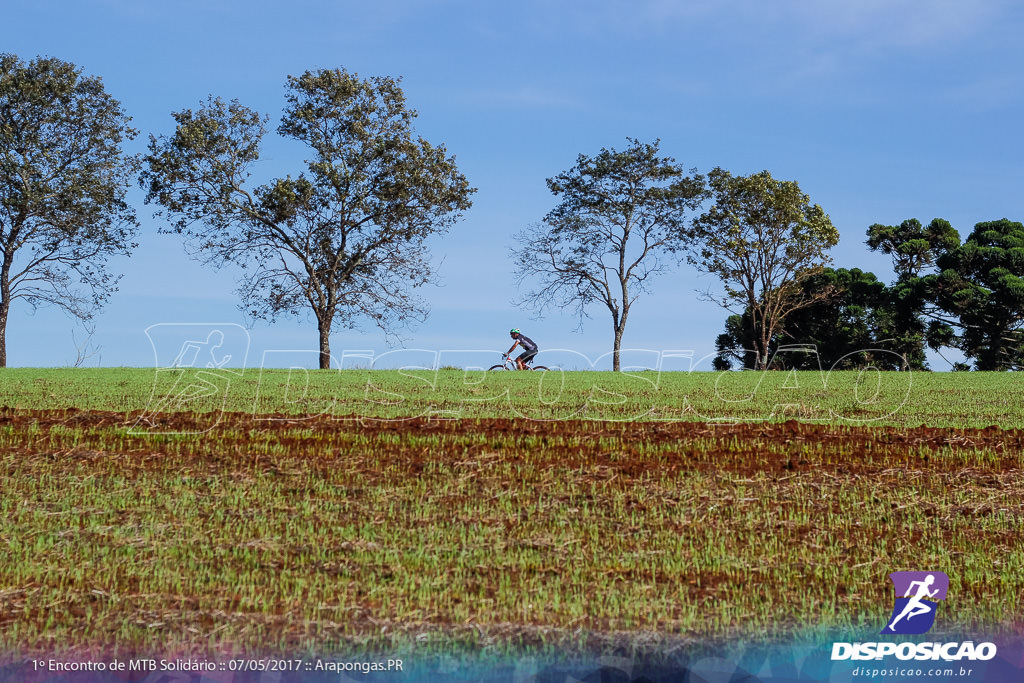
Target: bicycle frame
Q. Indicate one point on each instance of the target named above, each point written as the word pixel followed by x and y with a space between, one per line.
pixel 509 363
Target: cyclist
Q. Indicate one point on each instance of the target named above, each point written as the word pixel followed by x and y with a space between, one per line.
pixel 529 347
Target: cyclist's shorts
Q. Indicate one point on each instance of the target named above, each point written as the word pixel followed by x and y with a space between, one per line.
pixel 527 356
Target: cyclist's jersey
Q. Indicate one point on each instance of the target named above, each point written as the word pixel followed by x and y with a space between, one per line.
pixel 527 343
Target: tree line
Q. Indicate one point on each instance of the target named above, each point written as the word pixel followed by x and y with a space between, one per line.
pixel 344 238
pixel 947 294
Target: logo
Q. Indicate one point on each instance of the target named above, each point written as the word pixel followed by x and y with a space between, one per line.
pixel 917 599
pixel 196 363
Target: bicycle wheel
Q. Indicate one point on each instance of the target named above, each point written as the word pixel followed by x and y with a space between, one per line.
pixel 540 367
pixel 496 367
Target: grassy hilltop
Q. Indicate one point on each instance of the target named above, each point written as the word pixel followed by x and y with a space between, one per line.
pixel 838 398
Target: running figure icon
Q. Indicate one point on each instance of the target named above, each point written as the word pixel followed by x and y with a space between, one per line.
pixel 915 607
pixel 918 596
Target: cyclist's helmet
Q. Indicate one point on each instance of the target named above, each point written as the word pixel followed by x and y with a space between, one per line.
pixel 514 331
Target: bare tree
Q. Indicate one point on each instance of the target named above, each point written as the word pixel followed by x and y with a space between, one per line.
pixel 85 348
pixel 621 221
pixel 63 181
pixel 345 240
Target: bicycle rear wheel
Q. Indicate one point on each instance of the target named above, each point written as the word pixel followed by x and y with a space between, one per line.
pixel 540 367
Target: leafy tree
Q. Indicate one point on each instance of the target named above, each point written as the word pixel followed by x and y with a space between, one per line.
pixel 913 247
pixel 63 181
pixel 846 324
pixel 915 318
pixel 982 283
pixel 734 344
pixel 974 288
pixel 761 238
pixel 346 239
pixel 620 221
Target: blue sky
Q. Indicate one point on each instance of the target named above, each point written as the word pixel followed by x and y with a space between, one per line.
pixel 882 110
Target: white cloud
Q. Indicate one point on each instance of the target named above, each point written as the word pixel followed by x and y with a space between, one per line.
pixel 870 23
pixel 781 45
pixel 875 24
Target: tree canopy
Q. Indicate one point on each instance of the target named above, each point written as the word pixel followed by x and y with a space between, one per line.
pixel 915 318
pixel 621 220
pixel 761 237
pixel 912 246
pixel 980 282
pixel 853 321
pixel 63 182
pixel 346 238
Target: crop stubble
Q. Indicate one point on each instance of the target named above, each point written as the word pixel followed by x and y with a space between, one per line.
pixel 278 533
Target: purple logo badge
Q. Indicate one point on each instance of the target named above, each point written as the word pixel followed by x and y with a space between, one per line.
pixel 917 597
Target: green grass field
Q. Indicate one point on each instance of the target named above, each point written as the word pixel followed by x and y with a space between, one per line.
pixel 840 398
pixel 443 510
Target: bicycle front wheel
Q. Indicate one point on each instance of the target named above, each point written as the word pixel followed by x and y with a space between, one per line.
pixel 496 367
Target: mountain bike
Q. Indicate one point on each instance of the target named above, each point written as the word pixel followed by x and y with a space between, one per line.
pixel 509 363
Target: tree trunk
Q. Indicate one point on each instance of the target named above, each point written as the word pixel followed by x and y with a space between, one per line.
pixel 3 334
pixel 5 308
pixel 616 363
pixel 618 325
pixel 761 342
pixel 765 342
pixel 755 339
pixel 759 359
pixel 325 343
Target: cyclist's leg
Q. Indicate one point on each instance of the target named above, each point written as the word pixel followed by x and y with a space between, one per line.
pixel 525 358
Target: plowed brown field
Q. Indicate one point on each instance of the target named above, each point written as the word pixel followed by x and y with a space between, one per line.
pixel 882 445
pixel 271 532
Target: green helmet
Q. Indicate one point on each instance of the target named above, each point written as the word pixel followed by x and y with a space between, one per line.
pixel 514 330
